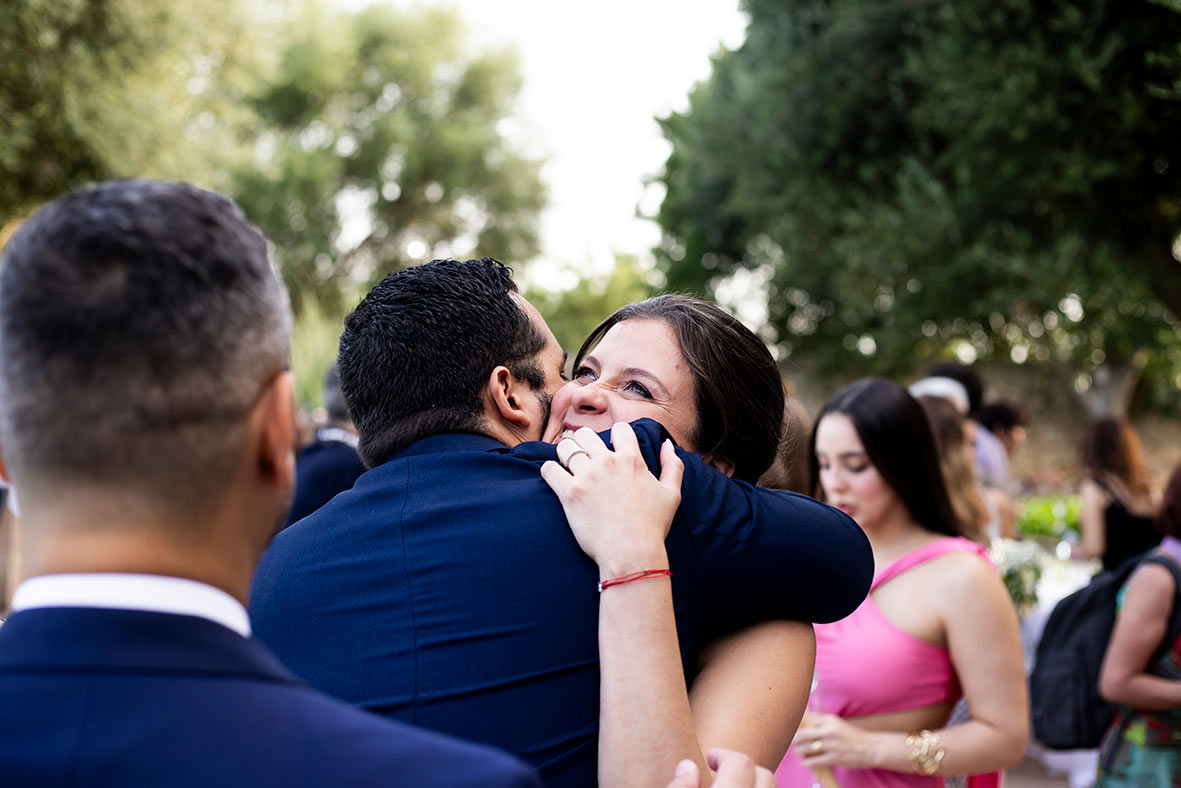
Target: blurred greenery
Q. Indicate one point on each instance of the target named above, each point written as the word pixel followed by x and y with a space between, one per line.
pixel 572 312
pixel 379 130
pixel 991 178
pixel 94 90
pixel 315 339
pixel 1049 516
pixel 353 139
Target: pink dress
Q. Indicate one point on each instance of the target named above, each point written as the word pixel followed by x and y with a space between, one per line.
pixel 866 665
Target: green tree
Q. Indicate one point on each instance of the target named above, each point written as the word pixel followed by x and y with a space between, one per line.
pixel 109 88
pixel 573 311
pixel 381 145
pixel 996 178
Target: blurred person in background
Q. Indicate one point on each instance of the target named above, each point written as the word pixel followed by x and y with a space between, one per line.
pixel 330 464
pixel 937 624
pixel 992 462
pixel 1142 672
pixel 1007 422
pixel 147 418
pixel 789 470
pixel 955 458
pixel 1118 506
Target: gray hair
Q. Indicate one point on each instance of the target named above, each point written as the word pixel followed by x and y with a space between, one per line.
pixel 139 322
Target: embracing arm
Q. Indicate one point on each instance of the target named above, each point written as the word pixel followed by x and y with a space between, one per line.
pixel 985 648
pixel 620 514
pixel 1139 630
pixel 769 667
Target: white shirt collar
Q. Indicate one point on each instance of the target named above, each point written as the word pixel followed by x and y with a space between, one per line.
pixel 154 593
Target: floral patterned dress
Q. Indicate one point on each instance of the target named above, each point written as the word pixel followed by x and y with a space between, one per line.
pixel 1143 749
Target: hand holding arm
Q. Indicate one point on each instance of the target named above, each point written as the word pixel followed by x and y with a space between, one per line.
pixel 734 770
pixel 620 514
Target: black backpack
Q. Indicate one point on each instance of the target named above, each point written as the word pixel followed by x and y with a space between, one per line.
pixel 1064 700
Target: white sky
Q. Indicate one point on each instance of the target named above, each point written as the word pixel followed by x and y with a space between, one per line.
pixel 596 75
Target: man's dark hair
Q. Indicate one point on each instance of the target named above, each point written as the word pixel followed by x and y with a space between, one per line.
pixel 966 377
pixel 417 352
pixel 139 321
pixel 334 404
pixel 999 416
pixel 899 441
pixel 736 383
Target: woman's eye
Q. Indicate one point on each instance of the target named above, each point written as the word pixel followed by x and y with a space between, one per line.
pixel 638 388
pixel 584 374
pixel 857 468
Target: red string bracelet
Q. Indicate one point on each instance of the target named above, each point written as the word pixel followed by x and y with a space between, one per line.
pixel 618 581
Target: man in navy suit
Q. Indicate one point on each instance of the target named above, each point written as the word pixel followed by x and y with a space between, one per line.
pixel 445 587
pixel 146 416
pixel 330 465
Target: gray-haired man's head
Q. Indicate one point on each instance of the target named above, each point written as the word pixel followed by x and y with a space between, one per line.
pixel 139 323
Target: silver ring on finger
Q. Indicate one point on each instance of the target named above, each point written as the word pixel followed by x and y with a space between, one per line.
pixel 574 454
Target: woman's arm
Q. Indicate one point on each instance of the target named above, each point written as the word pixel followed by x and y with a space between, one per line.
pixel 1090 520
pixel 769 667
pixel 620 514
pixel 1140 628
pixel 753 684
pixel 985 648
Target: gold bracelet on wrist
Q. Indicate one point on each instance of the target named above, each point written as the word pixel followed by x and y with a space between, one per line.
pixel 926 753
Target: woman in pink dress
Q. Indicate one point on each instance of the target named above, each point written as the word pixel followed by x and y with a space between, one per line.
pixel 937 624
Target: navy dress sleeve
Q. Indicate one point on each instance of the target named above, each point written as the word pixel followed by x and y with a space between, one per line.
pixel 754 554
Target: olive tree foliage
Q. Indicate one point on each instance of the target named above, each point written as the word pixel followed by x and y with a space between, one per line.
pixel 95 89
pixel 913 178
pixel 380 145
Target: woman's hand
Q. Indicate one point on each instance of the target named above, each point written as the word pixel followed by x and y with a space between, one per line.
pixel 734 770
pixel 619 512
pixel 827 740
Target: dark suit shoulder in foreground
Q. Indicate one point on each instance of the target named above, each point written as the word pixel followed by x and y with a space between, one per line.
pixel 126 698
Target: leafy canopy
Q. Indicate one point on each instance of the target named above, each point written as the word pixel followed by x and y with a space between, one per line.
pixel 999 177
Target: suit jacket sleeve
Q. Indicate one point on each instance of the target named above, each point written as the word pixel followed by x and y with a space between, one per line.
pixel 764 554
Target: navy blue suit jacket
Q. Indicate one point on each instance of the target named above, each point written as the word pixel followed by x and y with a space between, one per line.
pixel 130 699
pixel 322 470
pixel 446 589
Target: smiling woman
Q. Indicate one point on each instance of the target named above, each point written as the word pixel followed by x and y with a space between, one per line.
pixel 689 365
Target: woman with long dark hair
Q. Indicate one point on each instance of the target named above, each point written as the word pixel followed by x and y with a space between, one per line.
pixel 1118 506
pixel 937 624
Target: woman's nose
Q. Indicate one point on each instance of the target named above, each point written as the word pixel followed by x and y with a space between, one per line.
pixel 589 398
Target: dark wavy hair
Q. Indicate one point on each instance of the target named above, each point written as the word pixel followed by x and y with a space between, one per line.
pixel 417 351
pixel 736 383
pixel 898 440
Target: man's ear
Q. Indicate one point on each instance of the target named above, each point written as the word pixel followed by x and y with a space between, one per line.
pixel 721 464
pixel 507 398
pixel 275 417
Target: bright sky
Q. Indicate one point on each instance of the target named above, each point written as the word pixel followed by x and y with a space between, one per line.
pixel 596 75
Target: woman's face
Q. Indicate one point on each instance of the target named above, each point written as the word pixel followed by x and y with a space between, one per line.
pixel 850 481
pixel 637 371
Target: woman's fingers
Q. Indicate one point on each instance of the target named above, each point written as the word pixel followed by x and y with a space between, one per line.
pixel 557 477
pixel 572 455
pixel 672 470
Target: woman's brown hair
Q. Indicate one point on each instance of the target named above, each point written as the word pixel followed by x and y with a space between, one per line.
pixel 1111 446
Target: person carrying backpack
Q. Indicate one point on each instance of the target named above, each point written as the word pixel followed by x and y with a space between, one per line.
pixel 1141 669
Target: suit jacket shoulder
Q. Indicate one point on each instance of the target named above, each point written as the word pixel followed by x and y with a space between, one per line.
pixel 130 699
